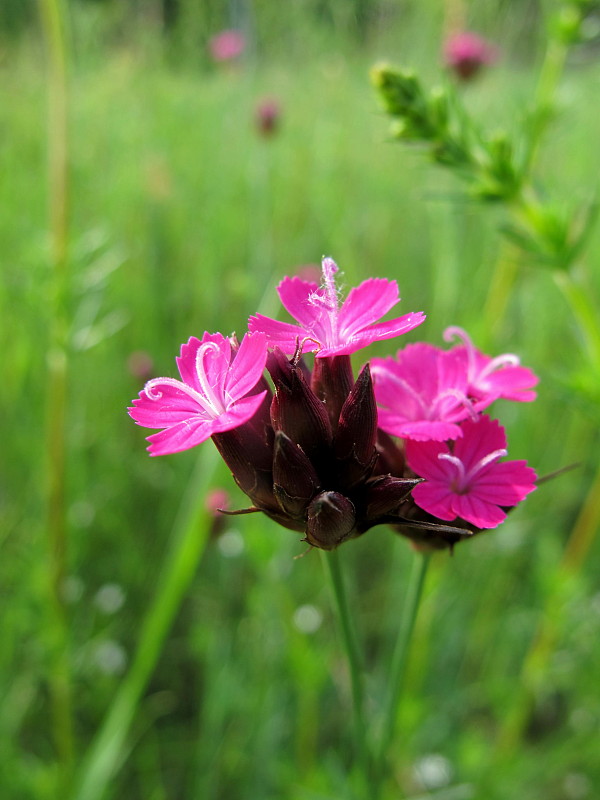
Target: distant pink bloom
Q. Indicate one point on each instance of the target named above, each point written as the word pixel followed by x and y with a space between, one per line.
pixel 328 328
pixel 490 378
pixel 268 114
pixel 422 393
pixel 227 45
pixel 466 53
pixel 212 396
pixel 140 365
pixel 466 479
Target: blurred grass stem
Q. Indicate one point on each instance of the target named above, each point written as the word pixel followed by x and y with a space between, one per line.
pixel 507 265
pixel 188 540
pixel 582 306
pixel 333 569
pixel 53 24
pixel 401 652
pixel 534 666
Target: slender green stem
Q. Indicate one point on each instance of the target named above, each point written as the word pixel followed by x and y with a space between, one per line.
pixel 189 538
pixel 585 530
pixel 333 568
pixel 401 652
pixel 53 28
pixel 585 313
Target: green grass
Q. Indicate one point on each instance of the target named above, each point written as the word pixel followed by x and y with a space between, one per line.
pixel 183 220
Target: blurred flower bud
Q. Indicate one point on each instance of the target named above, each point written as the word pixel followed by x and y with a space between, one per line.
pixel 268 114
pixel 466 53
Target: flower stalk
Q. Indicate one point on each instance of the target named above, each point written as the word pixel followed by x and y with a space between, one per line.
pixel 53 26
pixel 333 570
pixel 401 653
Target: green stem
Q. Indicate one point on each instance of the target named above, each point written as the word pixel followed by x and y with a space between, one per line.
pixel 585 313
pixel 53 25
pixel 401 652
pixel 189 538
pixel 333 568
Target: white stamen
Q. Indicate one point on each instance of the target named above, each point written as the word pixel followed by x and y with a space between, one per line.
pixel 181 387
pixel 213 398
pixel 465 477
pixel 506 360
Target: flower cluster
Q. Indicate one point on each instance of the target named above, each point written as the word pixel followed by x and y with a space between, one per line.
pixel 330 456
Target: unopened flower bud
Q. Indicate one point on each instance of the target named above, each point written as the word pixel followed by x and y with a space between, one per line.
pixel 331 520
pixel 295 481
pixel 357 430
pixel 297 411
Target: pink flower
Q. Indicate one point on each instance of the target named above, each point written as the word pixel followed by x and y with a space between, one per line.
pixel 212 397
pixel 422 393
pixel 331 329
pixel 466 53
pixel 490 378
pixel 227 45
pixel 466 479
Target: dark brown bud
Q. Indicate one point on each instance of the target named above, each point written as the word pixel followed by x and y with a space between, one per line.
pixel 298 412
pixel 332 381
pixel 295 481
pixel 354 443
pixel 331 520
pixel 249 458
pixel 385 494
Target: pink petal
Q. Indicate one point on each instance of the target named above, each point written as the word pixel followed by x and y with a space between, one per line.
pixel 180 437
pixel 247 367
pixel 505 483
pixel 480 438
pixel 294 294
pixel 513 383
pixel 174 405
pixel 435 498
pixel 366 304
pixel 376 333
pixel 194 430
pixel 281 334
pixel 423 459
pixel 476 511
pixel 419 431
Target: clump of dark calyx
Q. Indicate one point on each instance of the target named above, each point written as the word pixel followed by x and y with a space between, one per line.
pixel 313 459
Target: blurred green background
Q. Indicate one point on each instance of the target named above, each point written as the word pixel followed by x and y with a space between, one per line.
pixel 181 216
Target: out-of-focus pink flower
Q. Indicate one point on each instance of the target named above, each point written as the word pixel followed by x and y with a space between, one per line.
pixel 309 272
pixel 466 53
pixel 422 393
pixel 216 499
pixel 490 378
pixel 212 396
pixel 140 365
pixel 328 328
pixel 268 115
pixel 466 479
pixel 227 45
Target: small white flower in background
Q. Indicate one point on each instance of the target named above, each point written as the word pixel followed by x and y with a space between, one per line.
pixel 110 657
pixel 433 771
pixel 308 619
pixel 231 544
pixel 109 598
pixel 577 786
